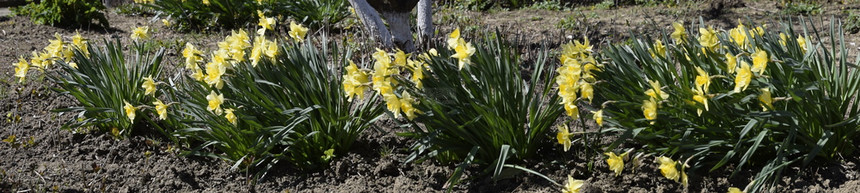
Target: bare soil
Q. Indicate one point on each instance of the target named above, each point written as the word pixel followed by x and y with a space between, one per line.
pixel 66 161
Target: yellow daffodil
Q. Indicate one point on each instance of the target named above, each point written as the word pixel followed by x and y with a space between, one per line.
pixel 191 54
pixel 563 137
pixel 406 107
pixel 73 65
pixel 21 69
pixel 765 99
pixel 267 23
pixel 454 39
pixel 586 91
pixel 708 38
pixel 79 42
pixel 257 51
pixel 760 60
pixel 161 109
pixel 703 80
pixel 598 117
pixel 393 104
pixel 228 113
pixel 129 110
pixel 735 190
pixel 649 109
pixel 572 186
pixel 271 49
pixel 680 34
pixel 668 168
pixel 571 109
pixel 197 73
pixel 463 53
pixel 41 60
pixel 354 81
pixel 55 48
pixel 782 38
pixel 699 96
pixel 759 30
pixel 140 33
pixel 615 162
pixel 731 63
pixel 215 101
pixel 418 74
pixel 802 42
pixel 656 92
pixel 148 86
pixel 206 2
pixel 297 31
pixel 739 34
pixel 658 50
pixel 743 77
pixel 166 22
pixel 400 58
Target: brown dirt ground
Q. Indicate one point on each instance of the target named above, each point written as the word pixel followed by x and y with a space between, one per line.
pixel 63 161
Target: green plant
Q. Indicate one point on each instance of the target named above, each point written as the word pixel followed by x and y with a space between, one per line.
pixel 802 8
pixel 64 12
pixel 105 84
pixel 488 112
pixel 700 99
pixel 852 24
pixel 275 102
pixel 231 14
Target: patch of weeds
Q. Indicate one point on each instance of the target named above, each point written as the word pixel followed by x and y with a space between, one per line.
pixel 134 9
pixel 851 25
pixel 606 4
pixel 551 5
pixel 574 21
pixel 802 8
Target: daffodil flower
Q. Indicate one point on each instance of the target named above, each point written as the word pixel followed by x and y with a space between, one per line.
pixel 703 80
pixel 21 69
pixel 680 34
pixel 354 81
pixel 572 186
pixel 206 2
pixel 735 190
pixel 400 58
pixel 191 55
pixel 658 49
pixel 743 77
pixel 598 117
pixel 148 86
pixel 393 104
pixel 55 48
pixel 802 42
pixel 708 38
pixel 463 52
pixel 586 90
pixel 454 39
pixel 228 113
pixel 215 101
pixel 649 109
pixel 760 60
pixel 267 23
pixel 161 109
pixel 765 99
pixel 655 91
pixel 563 137
pixel 731 63
pixel 79 42
pixel 297 31
pixel 140 33
pixel 406 105
pixel 129 110
pixel 699 96
pixel 615 162
pixel 166 22
pixel 668 168
pixel 739 34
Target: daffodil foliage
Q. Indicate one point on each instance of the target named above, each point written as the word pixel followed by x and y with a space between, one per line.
pixel 760 95
pixel 259 102
pixel 479 107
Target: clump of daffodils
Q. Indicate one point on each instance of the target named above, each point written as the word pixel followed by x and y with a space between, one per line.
pixel 463 50
pixel 140 33
pixel 383 80
pixel 56 51
pixel 575 78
